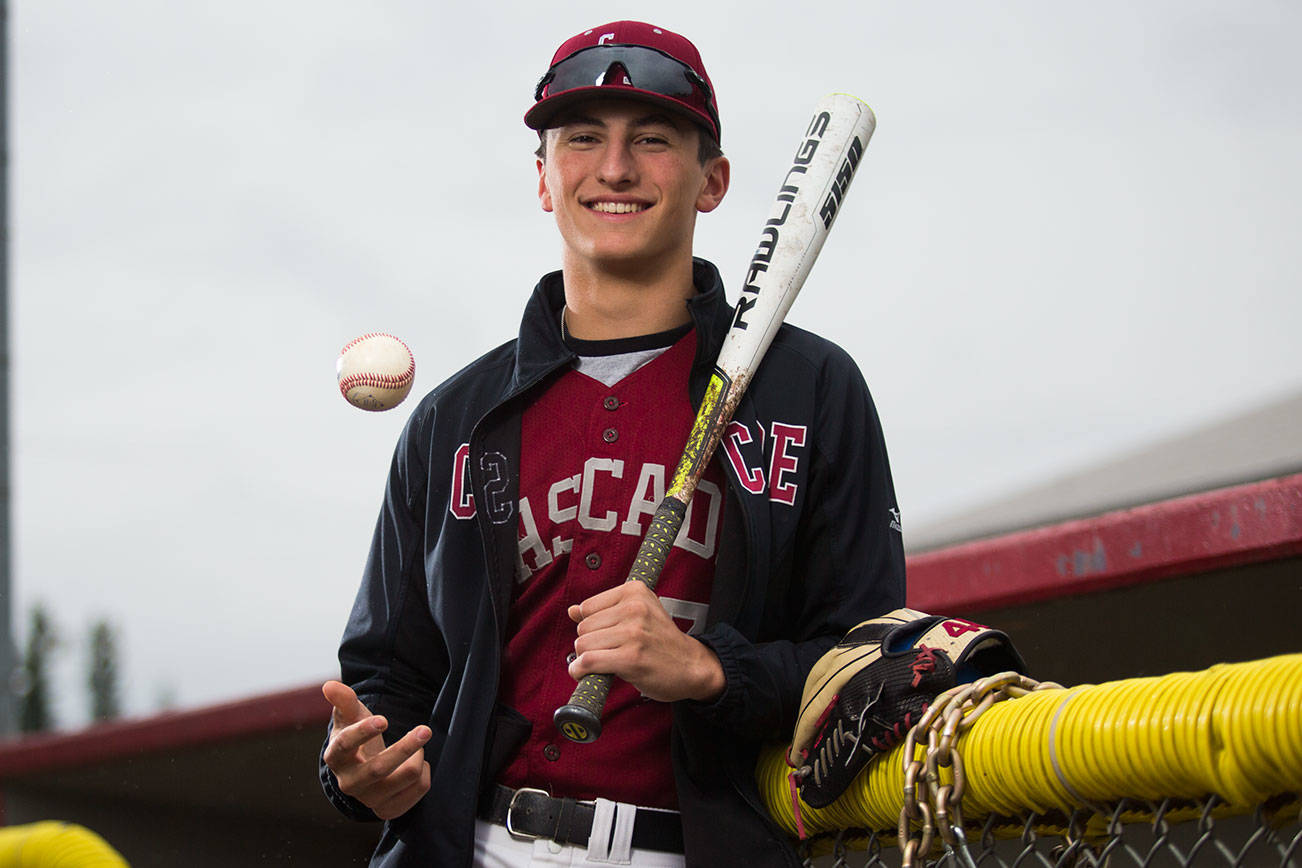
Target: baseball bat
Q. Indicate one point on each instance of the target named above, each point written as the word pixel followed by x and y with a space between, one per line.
pixel 803 212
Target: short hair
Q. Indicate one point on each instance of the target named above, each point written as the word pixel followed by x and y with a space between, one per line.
pixel 707 146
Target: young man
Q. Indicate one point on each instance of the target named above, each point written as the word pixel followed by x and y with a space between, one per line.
pixel 520 491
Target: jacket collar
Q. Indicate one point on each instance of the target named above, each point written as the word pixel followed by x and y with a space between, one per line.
pixel 541 350
pixel 712 315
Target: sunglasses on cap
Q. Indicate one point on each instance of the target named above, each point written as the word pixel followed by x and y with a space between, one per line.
pixel 646 69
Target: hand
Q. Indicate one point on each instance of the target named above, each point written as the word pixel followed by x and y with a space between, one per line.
pixel 388 780
pixel 625 631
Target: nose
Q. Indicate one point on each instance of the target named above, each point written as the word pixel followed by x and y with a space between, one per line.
pixel 617 167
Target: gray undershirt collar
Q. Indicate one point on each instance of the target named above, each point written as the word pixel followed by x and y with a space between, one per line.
pixel 609 370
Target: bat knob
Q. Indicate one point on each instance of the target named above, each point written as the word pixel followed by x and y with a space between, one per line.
pixel 577 723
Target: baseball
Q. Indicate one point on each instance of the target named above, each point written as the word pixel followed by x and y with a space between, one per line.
pixel 375 371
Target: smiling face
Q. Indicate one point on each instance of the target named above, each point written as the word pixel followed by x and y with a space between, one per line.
pixel 624 183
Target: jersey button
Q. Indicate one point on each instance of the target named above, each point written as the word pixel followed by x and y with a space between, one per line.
pixel 610 435
pixel 552 753
pixel 611 403
pixel 593 560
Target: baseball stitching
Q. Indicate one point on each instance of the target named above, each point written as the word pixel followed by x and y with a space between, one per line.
pixel 388 381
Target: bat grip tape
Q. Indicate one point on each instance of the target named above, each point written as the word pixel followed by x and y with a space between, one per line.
pixel 579 720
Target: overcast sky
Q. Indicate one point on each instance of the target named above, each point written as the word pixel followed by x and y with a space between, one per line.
pixel 1074 232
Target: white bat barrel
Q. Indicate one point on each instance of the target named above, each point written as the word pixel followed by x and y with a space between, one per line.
pixel 806 205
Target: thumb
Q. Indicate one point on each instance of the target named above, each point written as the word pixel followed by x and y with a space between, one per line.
pixel 348 709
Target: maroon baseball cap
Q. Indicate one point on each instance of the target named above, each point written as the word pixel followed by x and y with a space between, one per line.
pixel 632 60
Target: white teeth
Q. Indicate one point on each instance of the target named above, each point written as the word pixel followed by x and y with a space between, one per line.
pixel 617 207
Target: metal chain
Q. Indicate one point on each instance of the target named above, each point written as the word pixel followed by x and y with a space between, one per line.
pixel 932 808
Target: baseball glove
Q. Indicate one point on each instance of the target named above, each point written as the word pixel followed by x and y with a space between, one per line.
pixel 863 696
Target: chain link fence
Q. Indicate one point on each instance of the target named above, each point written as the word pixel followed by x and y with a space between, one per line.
pixel 1135 834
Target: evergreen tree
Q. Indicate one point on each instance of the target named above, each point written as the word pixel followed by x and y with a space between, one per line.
pixel 102 674
pixel 35 713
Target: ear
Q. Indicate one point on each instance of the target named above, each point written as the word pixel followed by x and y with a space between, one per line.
pixel 717 176
pixel 544 195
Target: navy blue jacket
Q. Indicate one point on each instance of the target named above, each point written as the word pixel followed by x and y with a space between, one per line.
pixel 424 641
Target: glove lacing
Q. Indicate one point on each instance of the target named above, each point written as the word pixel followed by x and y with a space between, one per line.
pixel 828 750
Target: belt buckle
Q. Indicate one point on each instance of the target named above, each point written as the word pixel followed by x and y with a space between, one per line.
pixel 510 808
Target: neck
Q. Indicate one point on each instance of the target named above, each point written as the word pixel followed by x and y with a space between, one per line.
pixel 606 304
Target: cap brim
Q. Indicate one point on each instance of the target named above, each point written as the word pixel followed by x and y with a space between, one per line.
pixel 543 112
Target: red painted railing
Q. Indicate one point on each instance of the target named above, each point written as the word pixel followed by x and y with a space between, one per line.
pixel 1230 526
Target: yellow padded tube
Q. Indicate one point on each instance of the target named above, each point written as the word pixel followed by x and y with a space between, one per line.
pixel 52 844
pixel 1234 730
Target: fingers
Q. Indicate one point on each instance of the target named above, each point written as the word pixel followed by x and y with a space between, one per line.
pixel 348 740
pixel 392 792
pixel 349 754
pixel 665 666
pixel 626 632
pixel 617 605
pixel 348 709
pixel 604 600
pixel 402 801
pixel 388 781
pixel 605 661
pixel 352 726
pixel 393 757
pixel 623 633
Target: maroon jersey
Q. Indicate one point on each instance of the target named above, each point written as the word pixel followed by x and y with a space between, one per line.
pixel 593 468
